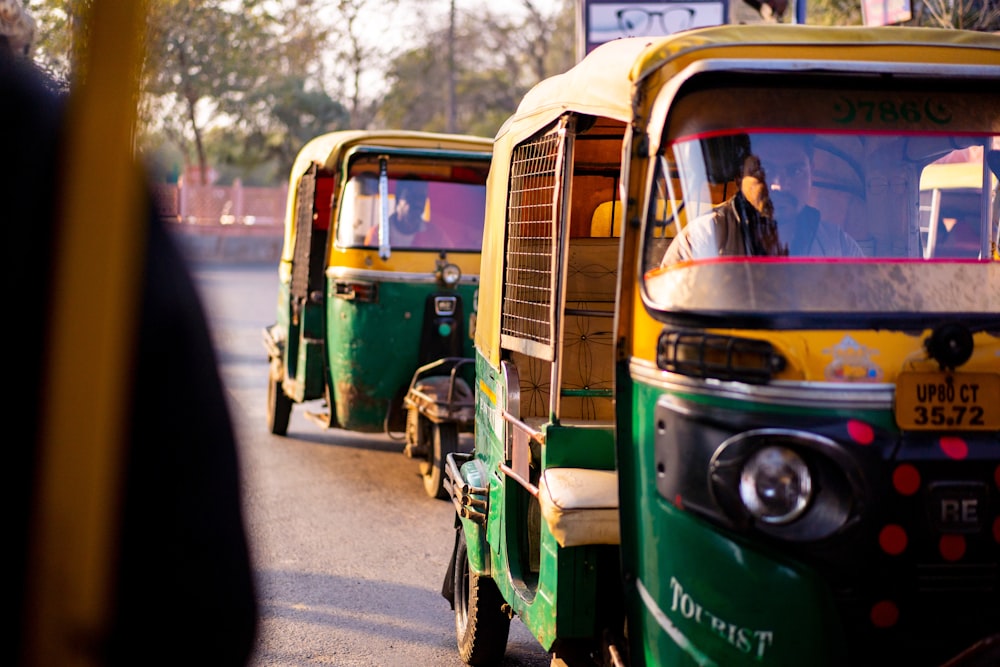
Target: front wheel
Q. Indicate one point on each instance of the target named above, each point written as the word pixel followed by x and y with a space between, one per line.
pixel 432 469
pixel 481 624
pixel 279 406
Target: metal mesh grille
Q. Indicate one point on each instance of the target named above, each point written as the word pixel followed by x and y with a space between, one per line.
pixel 527 303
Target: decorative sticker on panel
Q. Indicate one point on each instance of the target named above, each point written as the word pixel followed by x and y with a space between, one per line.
pixel 852 363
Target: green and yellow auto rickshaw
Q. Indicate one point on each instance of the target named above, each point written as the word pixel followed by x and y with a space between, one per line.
pixel 730 410
pixel 377 279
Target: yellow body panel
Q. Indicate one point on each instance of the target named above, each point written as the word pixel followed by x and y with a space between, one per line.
pixel 401 260
pixel 832 355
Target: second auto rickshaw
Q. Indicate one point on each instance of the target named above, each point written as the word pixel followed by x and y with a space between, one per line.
pixel 732 406
pixel 377 279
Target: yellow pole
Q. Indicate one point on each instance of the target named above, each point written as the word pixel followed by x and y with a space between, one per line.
pixel 99 247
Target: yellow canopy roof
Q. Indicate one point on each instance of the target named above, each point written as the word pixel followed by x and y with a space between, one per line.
pixel 848 43
pixel 598 85
pixel 328 149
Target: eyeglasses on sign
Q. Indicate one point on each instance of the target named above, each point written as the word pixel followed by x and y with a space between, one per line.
pixel 638 22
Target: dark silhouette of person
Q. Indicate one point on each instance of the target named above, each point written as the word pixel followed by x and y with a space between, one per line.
pixel 184 591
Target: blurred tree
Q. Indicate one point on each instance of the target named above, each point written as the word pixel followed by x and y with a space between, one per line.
pixel 499 56
pixel 355 50
pixel 202 57
pixel 834 12
pixel 981 15
pixel 203 71
pixel 330 64
pixel 272 121
pixel 277 119
pixel 60 33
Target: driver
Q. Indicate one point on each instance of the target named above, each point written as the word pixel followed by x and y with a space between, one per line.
pixel 406 219
pixel 769 214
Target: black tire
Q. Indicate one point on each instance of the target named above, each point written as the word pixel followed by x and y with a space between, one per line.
pixel 481 625
pixel 432 469
pixel 279 407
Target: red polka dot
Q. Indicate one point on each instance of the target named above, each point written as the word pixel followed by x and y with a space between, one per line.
pixel 860 432
pixel 954 447
pixel 996 529
pixel 952 547
pixel 884 614
pixel 678 502
pixel 892 539
pixel 906 479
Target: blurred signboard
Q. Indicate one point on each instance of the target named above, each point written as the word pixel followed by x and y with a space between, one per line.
pixel 600 21
pixel 885 12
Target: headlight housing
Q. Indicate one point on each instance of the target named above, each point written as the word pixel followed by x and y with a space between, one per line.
pixel 788 484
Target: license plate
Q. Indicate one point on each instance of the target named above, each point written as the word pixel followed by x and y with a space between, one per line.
pixel 948 401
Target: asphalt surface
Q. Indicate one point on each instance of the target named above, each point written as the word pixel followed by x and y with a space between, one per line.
pixel 349 551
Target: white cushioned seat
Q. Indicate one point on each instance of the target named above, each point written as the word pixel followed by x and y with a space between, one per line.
pixel 580 505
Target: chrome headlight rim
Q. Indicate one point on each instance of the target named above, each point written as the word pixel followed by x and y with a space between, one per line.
pixel 450 274
pixel 775 485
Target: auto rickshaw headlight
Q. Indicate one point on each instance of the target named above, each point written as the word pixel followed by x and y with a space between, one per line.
pixel 450 274
pixel 786 483
pixel 775 485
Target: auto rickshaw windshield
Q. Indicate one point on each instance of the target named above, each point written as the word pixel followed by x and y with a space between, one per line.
pixel 432 204
pixel 785 182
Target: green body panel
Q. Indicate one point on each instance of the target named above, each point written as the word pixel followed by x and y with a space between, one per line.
pixel 283 317
pixel 700 596
pixel 475 534
pixel 302 348
pixel 283 330
pixel 373 348
pixel 302 343
pixel 553 590
pixel 309 358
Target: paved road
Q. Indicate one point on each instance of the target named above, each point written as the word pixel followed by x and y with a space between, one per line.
pixel 349 551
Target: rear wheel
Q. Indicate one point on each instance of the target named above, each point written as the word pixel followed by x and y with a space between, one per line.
pixel 417 437
pixel 481 625
pixel 432 469
pixel 279 406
